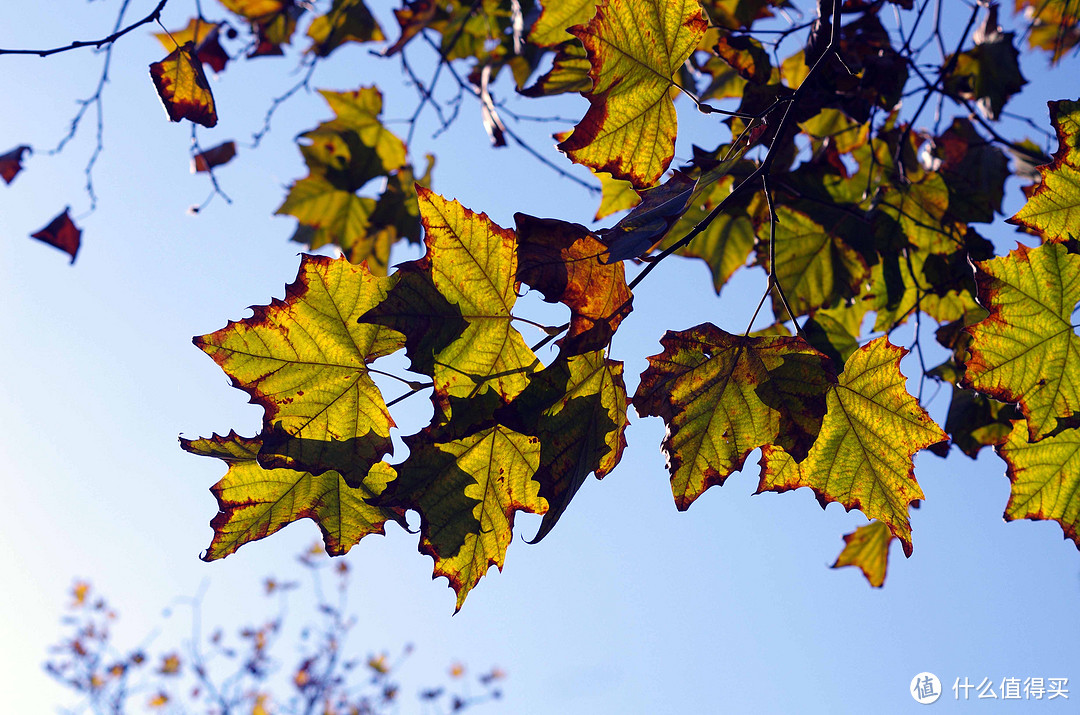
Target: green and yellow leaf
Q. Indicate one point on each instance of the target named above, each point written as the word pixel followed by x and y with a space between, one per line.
pixel 182 87
pixel 1053 210
pixel 1045 477
pixel 868 548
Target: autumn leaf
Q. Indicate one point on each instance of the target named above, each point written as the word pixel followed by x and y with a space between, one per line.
pixel 62 233
pixel 206 160
pixel 1026 350
pixel 557 17
pixel 863 454
pixel 576 407
pixel 868 548
pixel 1045 478
pixel 454 305
pixel 467 492
pixel 723 396
pixel 563 261
pixel 11 163
pixel 205 36
pixel 183 88
pixel 346 21
pixel 990 71
pixel 569 72
pixel 1053 210
pixel 746 56
pixel 254 502
pixel 637 233
pixel 333 215
pixel 304 361
pixel 634 48
pixel 412 18
pixel 615 195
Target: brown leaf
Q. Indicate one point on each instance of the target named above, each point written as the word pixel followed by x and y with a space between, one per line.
pixel 11 163
pixel 183 88
pixel 207 160
pixel 62 233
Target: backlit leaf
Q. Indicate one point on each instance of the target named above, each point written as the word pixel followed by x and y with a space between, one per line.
pixel 1045 477
pixel 254 502
pixel 1026 350
pixel 868 548
pixel 183 88
pixel 723 396
pixel 205 36
pixel 550 28
pixel 11 163
pixel 216 156
pixel 467 492
pixel 564 262
pixel 569 72
pixel 62 233
pixel 346 21
pixel 332 215
pixel 988 73
pixel 615 195
pixel 863 455
pixel 635 47
pixel 1053 210
pixel 304 360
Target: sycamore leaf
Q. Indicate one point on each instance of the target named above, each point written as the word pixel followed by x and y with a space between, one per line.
pixel 576 407
pixel 988 72
pixel 454 304
pixel 1026 350
pixel 1045 477
pixel 863 455
pixel 1053 210
pixel 358 111
pixel 746 56
pixel 1053 26
pixel 332 215
pixel 254 502
pixel 62 233
pixel 412 18
pixel 723 396
pixel 11 163
pixel 467 492
pixel 868 548
pixel 205 36
pixel 974 170
pixel 635 47
pixel 183 88
pixel 207 160
pixel 813 266
pixel 563 261
pixel 637 233
pixel 304 360
pixel 569 72
pixel 615 195
pixel 346 21
pixel 740 14
pixel 257 10
pixel 557 17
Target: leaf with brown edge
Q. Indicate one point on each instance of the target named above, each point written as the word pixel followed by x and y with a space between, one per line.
pixel 862 457
pixel 61 233
pixel 254 502
pixel 412 19
pixel 569 73
pixel 467 492
pixel 11 163
pixel 722 396
pixel 183 88
pixel 331 215
pixel 206 160
pixel 304 361
pixel 1045 478
pixel 576 407
pixel 635 47
pixel 551 27
pixel 563 261
pixel 1053 210
pixel 345 21
pixel 1026 350
pixel 206 37
pixel 868 548
pixel 746 56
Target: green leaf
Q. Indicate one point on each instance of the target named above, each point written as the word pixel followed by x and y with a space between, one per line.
pixel 615 195
pixel 569 72
pixel 723 396
pixel 1053 209
pixel 304 361
pixel 550 28
pixel 1045 477
pixel 988 73
pixel 467 492
pixel 346 21
pixel 254 502
pixel 1026 350
pixel 331 215
pixel 635 47
pixel 863 455
pixel 868 548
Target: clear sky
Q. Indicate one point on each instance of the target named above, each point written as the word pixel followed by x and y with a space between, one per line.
pixel 627 607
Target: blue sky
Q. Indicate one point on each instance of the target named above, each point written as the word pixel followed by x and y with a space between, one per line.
pixel 628 606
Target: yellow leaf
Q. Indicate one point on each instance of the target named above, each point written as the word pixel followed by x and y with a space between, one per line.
pixel 183 88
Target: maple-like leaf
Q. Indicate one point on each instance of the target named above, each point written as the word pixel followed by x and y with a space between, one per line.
pixel 254 502
pixel 62 233
pixel 333 215
pixel 551 27
pixel 988 72
pixel 206 160
pixel 304 360
pixel 205 36
pixel 640 231
pixel 412 18
pixel 868 548
pixel 1045 477
pixel 746 56
pixel 563 261
pixel 182 87
pixel 1053 209
pixel 615 195
pixel 11 163
pixel 863 454
pixel 635 47
pixel 723 396
pixel 576 407
pixel 569 73
pixel 467 492
pixel 346 21
pixel 454 305
pixel 1026 350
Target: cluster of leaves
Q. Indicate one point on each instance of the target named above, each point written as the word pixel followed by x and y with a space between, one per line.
pixel 861 219
pixel 242 672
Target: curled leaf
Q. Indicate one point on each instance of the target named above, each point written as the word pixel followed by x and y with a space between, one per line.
pixel 182 87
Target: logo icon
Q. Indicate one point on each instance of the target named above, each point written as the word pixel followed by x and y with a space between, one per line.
pixel 925 688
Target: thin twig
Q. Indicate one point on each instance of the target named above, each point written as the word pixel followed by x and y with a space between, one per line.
pixel 108 40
